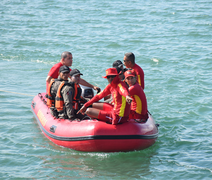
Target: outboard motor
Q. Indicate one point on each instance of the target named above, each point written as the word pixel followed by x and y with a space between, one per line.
pixel 87 92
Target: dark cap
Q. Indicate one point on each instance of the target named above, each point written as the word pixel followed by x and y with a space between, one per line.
pixel 119 70
pixel 64 69
pixel 117 63
pixel 75 72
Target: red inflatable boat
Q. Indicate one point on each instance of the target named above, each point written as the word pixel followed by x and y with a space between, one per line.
pixel 94 135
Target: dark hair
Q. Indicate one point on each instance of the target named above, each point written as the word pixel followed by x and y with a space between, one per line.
pixel 119 70
pixel 130 56
pixel 65 54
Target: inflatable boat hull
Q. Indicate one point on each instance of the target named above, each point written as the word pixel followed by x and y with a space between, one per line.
pixel 93 135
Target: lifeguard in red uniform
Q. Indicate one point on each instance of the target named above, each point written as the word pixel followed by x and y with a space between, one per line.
pixel 139 103
pixel 120 110
pixel 129 62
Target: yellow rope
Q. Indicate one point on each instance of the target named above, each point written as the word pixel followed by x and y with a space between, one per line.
pixel 16 93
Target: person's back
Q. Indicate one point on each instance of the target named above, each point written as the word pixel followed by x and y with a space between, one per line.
pixel 140 74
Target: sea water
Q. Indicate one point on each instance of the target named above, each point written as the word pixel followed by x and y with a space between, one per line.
pixel 171 41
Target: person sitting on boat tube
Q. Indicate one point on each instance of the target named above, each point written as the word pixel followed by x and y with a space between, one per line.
pixel 113 114
pixel 63 96
pixel 109 98
pixel 139 103
pixel 66 59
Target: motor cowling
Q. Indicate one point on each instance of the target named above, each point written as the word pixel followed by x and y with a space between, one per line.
pixel 87 92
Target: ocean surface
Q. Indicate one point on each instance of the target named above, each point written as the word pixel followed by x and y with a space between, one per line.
pixel 172 42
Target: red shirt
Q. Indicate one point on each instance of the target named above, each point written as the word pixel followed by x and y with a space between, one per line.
pixel 54 72
pixel 139 102
pixel 119 93
pixel 140 75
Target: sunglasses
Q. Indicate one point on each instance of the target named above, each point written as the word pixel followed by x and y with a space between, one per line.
pixel 112 76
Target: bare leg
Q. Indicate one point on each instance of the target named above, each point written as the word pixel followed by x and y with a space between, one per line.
pixel 98 105
pixel 92 112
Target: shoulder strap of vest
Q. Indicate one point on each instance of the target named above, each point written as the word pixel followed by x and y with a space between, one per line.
pixel 58 96
pixel 49 95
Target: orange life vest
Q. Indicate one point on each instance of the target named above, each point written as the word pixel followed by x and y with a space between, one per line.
pixel 50 98
pixel 59 102
pixel 77 95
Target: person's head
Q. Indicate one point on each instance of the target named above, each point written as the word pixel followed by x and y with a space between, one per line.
pixel 111 73
pixel 75 76
pixel 64 72
pixel 120 71
pixel 118 64
pixel 130 77
pixel 66 58
pixel 129 60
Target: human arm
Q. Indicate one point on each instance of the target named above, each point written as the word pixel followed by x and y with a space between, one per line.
pixel 140 75
pixel 124 92
pixel 85 83
pixel 48 79
pixel 54 72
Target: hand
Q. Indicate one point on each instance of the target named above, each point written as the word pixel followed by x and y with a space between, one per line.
pixel 82 110
pixel 97 89
pixel 129 99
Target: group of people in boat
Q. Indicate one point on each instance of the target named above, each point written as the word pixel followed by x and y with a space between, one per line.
pixel 124 95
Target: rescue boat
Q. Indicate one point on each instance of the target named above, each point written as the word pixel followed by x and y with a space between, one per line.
pixel 93 135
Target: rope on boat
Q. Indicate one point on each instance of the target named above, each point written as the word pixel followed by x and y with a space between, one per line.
pixel 42 98
pixel 16 93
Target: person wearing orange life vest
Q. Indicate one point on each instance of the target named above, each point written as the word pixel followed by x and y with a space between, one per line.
pixel 138 109
pixel 61 94
pixel 113 114
pixel 129 62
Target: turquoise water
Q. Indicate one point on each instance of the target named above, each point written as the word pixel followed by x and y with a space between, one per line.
pixel 172 43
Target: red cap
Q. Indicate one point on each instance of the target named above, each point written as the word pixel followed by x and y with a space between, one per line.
pixel 111 72
pixel 129 73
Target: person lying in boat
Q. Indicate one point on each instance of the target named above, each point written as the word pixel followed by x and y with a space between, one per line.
pixel 64 97
pixel 66 59
pixel 113 114
pixel 138 108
